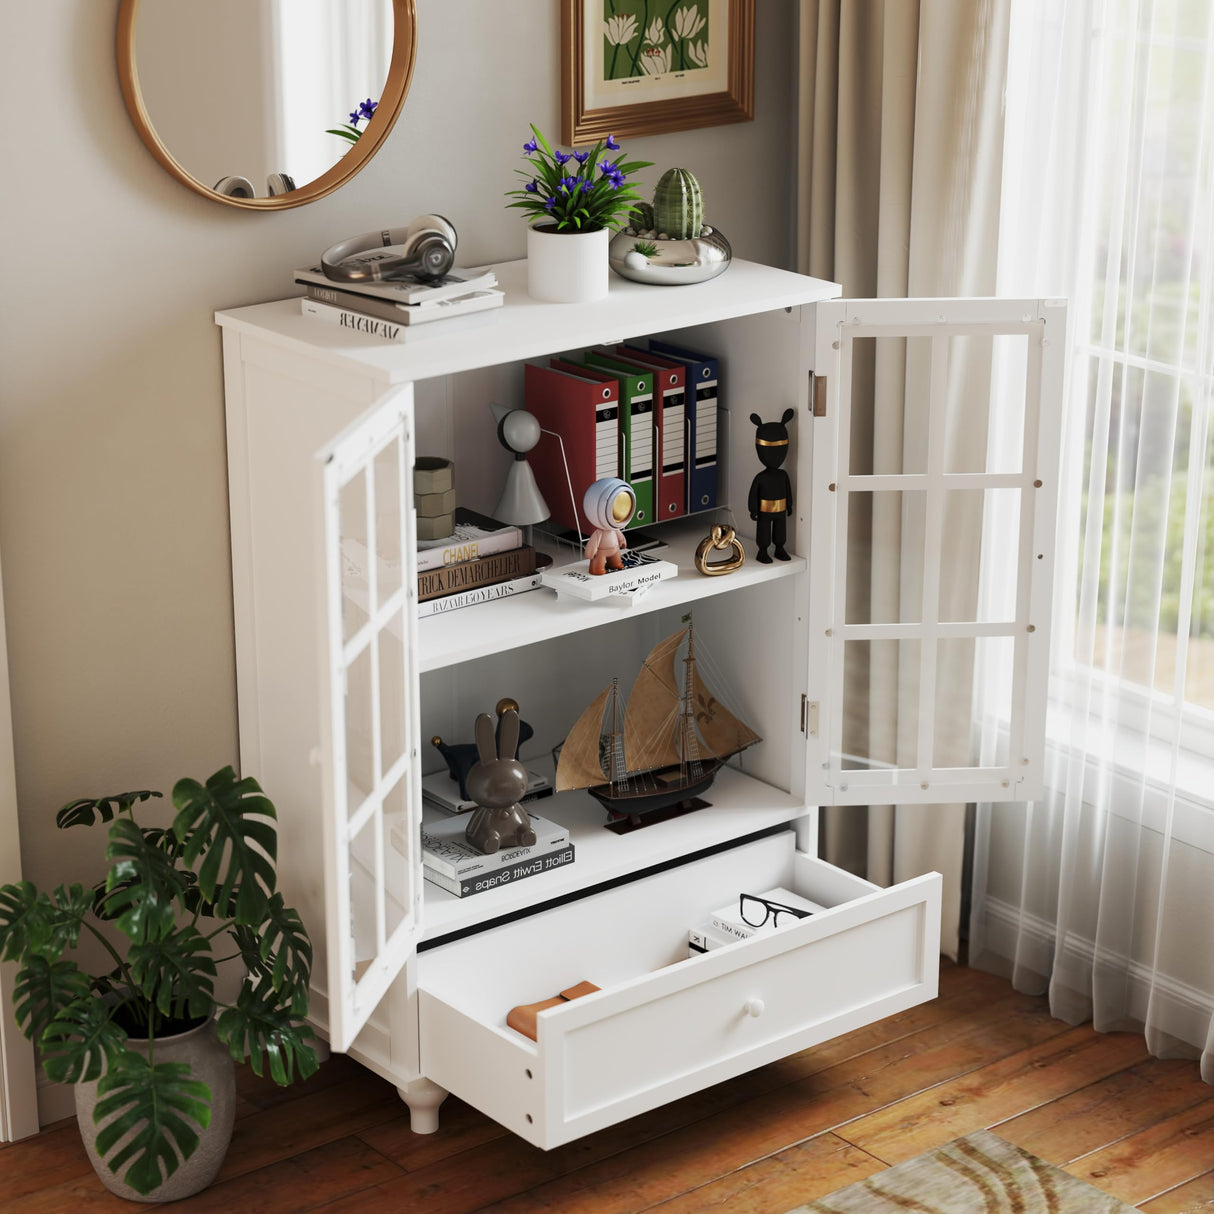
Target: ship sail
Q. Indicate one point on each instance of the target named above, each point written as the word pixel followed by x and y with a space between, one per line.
pixel 650 734
pixel 580 766
pixel 721 732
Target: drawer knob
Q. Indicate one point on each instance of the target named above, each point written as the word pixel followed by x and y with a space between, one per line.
pixel 754 1007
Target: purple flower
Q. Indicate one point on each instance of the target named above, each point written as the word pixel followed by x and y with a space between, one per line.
pixel 569 184
pixel 549 202
pixel 581 157
pixel 354 117
pixel 530 146
pixel 367 108
pixel 612 173
pixel 562 157
pixel 532 187
pixel 611 144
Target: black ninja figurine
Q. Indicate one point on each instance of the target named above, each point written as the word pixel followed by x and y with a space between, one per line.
pixel 770 498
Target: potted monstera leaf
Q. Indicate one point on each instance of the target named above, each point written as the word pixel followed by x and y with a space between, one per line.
pixel 147 1043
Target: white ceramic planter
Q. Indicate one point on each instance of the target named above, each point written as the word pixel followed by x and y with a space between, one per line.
pixel 208 1060
pixel 567 267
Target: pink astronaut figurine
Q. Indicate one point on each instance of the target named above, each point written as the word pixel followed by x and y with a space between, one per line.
pixel 609 505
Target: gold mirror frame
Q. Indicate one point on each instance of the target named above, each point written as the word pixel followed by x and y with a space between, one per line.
pixel 396 89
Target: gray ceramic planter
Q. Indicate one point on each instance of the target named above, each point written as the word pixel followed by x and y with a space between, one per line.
pixel 209 1061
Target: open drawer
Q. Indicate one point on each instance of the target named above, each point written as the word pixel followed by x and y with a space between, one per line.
pixel 663 1025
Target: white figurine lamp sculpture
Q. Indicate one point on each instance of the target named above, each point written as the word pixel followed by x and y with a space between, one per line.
pixel 521 503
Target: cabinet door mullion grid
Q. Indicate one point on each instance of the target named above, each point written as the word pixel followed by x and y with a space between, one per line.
pixel 353 995
pixel 839 325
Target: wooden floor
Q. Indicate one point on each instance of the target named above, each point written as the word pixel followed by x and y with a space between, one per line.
pixel 980 1056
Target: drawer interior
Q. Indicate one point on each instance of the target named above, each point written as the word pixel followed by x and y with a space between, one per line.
pixel 619 936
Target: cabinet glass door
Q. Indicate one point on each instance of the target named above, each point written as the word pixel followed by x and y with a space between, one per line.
pixel 935 473
pixel 373 878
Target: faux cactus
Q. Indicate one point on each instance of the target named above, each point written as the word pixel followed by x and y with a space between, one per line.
pixel 678 205
pixel 641 217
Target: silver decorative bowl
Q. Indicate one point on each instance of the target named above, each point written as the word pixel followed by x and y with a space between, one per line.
pixel 676 263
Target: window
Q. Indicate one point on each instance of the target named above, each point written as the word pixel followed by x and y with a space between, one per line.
pixel 1111 110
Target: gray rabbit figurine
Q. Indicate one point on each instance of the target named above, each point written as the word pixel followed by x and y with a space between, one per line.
pixel 497 784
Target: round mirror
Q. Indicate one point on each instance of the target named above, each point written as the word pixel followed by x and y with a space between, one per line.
pixel 265 103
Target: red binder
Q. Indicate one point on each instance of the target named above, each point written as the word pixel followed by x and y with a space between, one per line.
pixel 670 379
pixel 585 414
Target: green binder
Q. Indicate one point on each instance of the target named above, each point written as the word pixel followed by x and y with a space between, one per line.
pixel 636 430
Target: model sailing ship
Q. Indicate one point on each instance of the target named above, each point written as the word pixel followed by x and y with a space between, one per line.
pixel 676 736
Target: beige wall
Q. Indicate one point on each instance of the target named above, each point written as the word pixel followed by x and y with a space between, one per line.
pixel 113 512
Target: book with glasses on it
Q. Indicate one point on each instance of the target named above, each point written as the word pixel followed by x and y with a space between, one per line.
pixel 758 914
pixel 705 938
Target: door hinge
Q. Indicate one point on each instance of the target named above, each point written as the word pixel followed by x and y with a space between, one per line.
pixel 809 717
pixel 818 394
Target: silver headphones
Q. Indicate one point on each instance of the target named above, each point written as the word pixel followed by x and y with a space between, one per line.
pixel 426 252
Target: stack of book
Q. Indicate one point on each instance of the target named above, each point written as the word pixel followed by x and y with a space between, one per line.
pixel 481 561
pixel 449 862
pixel 389 310
pixel 727 926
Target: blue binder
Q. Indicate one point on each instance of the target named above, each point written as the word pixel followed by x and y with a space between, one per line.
pixel 703 372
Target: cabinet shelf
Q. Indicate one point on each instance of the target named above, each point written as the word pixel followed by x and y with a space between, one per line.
pixel 539 615
pixel 739 806
pixel 525 327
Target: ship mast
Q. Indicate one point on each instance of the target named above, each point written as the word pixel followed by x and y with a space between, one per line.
pixel 689 746
pixel 616 765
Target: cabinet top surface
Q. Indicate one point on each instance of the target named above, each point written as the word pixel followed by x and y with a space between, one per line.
pixel 526 328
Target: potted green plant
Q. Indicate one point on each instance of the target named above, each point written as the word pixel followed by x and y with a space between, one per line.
pixel 147 1042
pixel 667 242
pixel 573 199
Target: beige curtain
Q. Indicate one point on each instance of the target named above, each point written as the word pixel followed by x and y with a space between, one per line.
pixel 900 143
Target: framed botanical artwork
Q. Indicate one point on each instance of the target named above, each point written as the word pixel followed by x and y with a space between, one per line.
pixel 646 67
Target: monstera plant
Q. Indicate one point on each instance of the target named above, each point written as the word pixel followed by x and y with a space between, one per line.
pixel 173 903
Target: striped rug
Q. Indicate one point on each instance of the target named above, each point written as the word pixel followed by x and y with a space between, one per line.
pixel 979 1174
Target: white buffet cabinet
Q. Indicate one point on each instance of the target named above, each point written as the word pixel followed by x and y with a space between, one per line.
pixel 341 687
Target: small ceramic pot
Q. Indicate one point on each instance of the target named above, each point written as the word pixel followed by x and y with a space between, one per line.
pixel 567 267
pixel 209 1060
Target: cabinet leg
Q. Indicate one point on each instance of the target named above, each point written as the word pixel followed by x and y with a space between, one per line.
pixel 423 1098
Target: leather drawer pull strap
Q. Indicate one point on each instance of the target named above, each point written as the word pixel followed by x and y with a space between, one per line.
pixel 522 1018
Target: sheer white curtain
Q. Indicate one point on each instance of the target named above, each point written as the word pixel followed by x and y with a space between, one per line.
pixel 1103 892
pixel 329 56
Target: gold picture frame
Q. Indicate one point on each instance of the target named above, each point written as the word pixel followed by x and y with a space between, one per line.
pixel 693 69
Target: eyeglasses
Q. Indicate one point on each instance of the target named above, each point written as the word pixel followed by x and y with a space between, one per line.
pixel 756 911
